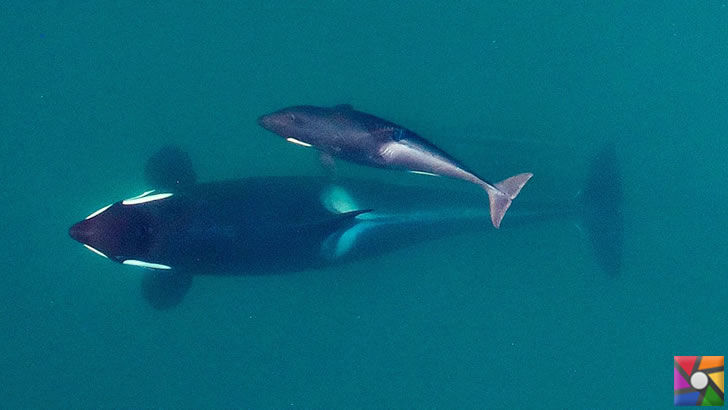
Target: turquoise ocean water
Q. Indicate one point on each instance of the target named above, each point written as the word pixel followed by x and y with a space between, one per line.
pixel 517 318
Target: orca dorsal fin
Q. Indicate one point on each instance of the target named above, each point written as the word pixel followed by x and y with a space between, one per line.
pixel 343 107
pixel 169 169
pixel 351 214
pixel 335 221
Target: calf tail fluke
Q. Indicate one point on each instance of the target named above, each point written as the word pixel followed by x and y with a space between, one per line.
pixel 503 193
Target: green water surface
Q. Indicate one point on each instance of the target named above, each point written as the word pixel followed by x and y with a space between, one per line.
pixel 517 318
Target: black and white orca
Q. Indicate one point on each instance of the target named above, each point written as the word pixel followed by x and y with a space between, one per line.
pixel 263 225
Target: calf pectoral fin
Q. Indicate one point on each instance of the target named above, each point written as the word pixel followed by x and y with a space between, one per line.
pixel 170 168
pixel 165 289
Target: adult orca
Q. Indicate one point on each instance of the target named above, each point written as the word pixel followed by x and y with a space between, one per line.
pixel 343 132
pixel 263 225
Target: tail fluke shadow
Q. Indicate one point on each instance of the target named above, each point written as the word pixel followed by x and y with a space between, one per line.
pixel 602 209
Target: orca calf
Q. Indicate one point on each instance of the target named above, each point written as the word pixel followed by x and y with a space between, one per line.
pixel 264 225
pixel 345 133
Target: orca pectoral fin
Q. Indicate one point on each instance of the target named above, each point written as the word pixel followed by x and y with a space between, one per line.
pixel 165 289
pixel 169 169
pixel 340 243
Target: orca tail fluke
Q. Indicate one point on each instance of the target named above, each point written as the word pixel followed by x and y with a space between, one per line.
pixel 502 194
pixel 602 209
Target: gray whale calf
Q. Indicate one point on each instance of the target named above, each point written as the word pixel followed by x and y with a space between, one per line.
pixel 345 133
